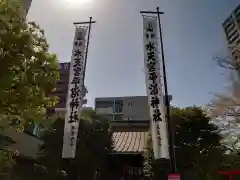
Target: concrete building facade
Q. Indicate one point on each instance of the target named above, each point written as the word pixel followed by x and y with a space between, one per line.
pixel 129 108
pixel 123 108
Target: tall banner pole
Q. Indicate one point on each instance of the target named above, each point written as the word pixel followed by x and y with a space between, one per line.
pixel 156 83
pixel 171 132
pixel 75 91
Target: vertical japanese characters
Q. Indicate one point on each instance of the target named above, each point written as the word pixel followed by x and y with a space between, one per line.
pixel 154 89
pixel 75 93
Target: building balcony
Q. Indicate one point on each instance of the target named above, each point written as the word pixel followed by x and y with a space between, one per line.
pixel 108 110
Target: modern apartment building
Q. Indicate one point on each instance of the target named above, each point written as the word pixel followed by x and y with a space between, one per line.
pixel 62 87
pixel 26 4
pixel 231 28
pixel 131 108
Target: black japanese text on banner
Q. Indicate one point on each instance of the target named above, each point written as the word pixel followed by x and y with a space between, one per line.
pixel 154 88
pixel 75 93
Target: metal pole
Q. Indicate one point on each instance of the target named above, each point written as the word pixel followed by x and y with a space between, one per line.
pixel 170 130
pixel 86 53
pixel 90 22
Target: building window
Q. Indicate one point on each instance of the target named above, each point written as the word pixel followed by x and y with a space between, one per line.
pixel 62 82
pixel 230 28
pixel 118 106
pixel 232 33
pixel 118 117
pixel 130 104
pixel 104 104
pixel 62 100
pixel 36 130
pixel 237 42
pixel 109 117
pixel 228 22
pixel 233 38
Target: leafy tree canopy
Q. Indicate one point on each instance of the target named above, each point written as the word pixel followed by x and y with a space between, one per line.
pixel 93 145
pixel 197 144
pixel 28 72
pixel 6 162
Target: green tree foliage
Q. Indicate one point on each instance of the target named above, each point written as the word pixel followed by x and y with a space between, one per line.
pixel 93 144
pixel 28 72
pixel 197 145
pixel 26 169
pixel 7 161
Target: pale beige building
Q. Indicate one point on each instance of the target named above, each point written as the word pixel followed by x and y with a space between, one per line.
pixel 127 108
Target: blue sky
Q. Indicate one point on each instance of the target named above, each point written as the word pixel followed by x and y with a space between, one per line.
pixel 192 32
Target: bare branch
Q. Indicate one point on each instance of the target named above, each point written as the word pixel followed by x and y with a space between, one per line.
pixel 225 63
pixel 231 61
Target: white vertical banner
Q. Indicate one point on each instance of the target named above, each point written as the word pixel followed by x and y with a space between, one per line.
pixel 153 76
pixel 75 93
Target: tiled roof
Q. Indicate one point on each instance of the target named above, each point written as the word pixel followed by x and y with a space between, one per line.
pixel 25 144
pixel 129 142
